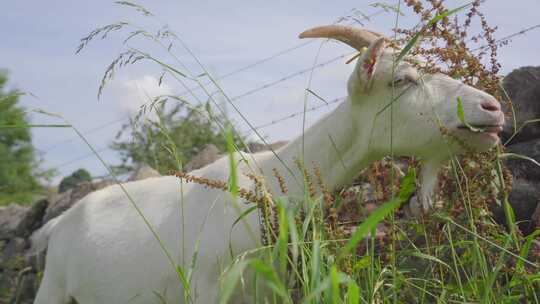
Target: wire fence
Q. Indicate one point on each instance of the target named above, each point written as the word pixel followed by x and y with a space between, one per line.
pixel 245 132
pixel 234 98
pixel 224 76
pixel 260 88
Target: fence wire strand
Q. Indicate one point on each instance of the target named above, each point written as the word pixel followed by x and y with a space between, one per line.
pixel 263 87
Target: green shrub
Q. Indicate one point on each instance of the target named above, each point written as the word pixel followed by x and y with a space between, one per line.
pixel 18 167
pixel 74 179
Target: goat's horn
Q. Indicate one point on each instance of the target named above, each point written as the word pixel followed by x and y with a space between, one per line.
pixel 355 37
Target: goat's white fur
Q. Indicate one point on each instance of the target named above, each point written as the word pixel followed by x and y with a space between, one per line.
pixel 101 251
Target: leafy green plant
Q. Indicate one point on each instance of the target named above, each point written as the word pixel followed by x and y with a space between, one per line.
pixel 179 133
pixel 74 179
pixel 19 171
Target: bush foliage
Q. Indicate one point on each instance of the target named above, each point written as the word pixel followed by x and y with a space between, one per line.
pixel 178 134
pixel 73 180
pixel 18 181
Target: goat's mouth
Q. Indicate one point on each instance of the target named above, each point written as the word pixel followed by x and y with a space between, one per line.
pixel 493 129
pixel 488 132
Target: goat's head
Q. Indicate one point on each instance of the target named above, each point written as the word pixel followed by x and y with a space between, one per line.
pixel 424 107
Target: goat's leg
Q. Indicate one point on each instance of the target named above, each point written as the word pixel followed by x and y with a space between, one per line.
pixel 423 201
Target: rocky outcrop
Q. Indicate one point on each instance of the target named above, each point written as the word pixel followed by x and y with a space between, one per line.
pixel 522 168
pixel 10 220
pixel 208 155
pixel 16 225
pixel 524 199
pixel 522 88
pixel 211 153
pixel 65 200
pixel 143 171
pixel 255 147
pixel 535 220
pixel 19 269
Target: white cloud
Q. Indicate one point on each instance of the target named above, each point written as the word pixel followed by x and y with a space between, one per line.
pixel 133 93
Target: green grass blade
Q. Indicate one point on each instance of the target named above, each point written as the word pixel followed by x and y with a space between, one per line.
pixel 325 284
pixel 519 156
pixel 517 131
pixel 230 280
pixel 408 186
pixel 524 253
pixel 414 40
pixel 317 96
pixel 334 283
pixel 271 279
pixel 461 116
pixel 282 244
pixel 370 224
pixel 447 14
pixel 28 126
pixel 239 219
pixel 244 214
pixel 353 293
pixel 233 177
pixel 182 277
pixel 431 258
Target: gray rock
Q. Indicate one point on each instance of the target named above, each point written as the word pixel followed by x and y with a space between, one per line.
pixel 35 260
pixel 208 155
pixel 26 289
pixel 11 219
pixel 255 147
pixel 143 171
pixel 535 219
pixel 523 87
pixel 21 221
pixel 65 200
pixel 12 254
pixel 211 153
pixel 522 168
pixel 18 267
pixel 6 282
pixel 523 198
pixel 32 219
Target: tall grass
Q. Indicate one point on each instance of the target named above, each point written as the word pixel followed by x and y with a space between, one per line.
pixel 455 255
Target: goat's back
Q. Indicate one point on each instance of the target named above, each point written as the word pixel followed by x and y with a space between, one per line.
pixel 103 251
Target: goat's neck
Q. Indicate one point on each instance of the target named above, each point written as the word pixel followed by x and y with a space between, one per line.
pixel 336 144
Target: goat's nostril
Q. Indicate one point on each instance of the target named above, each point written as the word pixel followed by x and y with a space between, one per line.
pixel 491 106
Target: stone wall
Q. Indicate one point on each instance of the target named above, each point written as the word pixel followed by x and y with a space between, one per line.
pixel 19 269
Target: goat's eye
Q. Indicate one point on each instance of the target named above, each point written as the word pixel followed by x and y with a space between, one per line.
pixel 397 82
pixel 402 80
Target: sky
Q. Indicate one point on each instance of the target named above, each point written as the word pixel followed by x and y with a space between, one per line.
pixel 39 40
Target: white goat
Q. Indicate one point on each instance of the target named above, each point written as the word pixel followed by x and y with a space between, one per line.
pixel 101 251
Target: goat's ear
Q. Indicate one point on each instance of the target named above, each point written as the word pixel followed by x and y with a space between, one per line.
pixel 361 80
